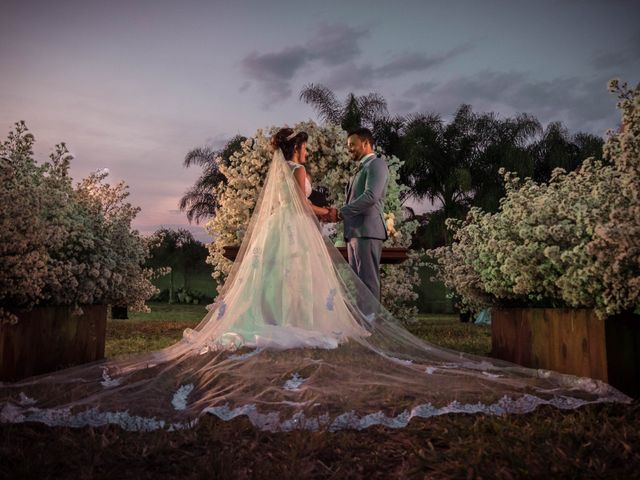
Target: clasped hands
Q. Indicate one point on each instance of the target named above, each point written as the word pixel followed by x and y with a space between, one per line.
pixel 332 216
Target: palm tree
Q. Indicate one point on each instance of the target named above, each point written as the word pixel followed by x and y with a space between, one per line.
pixel 502 143
pixel 388 133
pixel 558 149
pixel 200 201
pixel 356 111
pixel 437 158
pixel 456 165
pixel 589 145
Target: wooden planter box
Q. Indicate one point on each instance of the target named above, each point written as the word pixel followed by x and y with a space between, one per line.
pixel 570 341
pixel 50 338
pixel 390 255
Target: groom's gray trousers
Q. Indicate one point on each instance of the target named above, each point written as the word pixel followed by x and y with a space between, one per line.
pixel 364 257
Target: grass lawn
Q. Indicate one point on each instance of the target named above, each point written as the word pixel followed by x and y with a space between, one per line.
pixel 165 323
pixel 598 441
pixel 151 331
pixel 200 281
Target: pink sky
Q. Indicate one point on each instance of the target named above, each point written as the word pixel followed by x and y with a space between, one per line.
pixel 132 86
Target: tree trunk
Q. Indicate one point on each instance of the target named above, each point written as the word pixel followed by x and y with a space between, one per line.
pixel 185 276
pixel 119 312
pixel 171 286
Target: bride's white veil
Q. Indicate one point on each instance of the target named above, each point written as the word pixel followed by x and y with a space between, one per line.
pixel 290 342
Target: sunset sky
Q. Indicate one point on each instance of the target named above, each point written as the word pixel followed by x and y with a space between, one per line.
pixel 132 86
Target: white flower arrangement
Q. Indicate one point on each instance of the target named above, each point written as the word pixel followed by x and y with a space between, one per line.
pixel 61 245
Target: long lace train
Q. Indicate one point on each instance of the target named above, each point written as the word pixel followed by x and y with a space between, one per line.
pixel 287 343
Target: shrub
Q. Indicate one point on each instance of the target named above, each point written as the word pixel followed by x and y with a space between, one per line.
pixel 574 241
pixel 61 245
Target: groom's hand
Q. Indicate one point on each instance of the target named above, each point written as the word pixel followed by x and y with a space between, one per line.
pixel 333 215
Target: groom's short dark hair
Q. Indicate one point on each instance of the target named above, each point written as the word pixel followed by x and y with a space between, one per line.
pixel 363 134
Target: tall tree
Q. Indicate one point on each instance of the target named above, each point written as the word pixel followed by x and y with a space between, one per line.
pixel 502 143
pixel 456 165
pixel 354 112
pixel 438 159
pixel 176 249
pixel 387 132
pixel 557 148
pixel 200 201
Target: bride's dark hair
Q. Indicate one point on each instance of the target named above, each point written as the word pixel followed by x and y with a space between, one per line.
pixel 279 140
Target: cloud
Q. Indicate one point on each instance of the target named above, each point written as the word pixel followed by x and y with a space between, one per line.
pixel 416 62
pixel 273 70
pixel 336 48
pixel 582 104
pixel 336 44
pixel 354 76
pixel 421 88
pixel 402 106
pixel 626 56
pixel 331 45
pixel 349 76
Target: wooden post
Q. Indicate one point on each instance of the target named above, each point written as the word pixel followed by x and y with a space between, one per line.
pixel 570 341
pixel 50 338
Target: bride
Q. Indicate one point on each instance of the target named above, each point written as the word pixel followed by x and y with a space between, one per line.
pixel 288 295
pixel 286 344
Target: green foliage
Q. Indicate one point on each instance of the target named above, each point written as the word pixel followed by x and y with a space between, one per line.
pixel 190 297
pixel 199 280
pixel 558 149
pixel 455 165
pixel 180 252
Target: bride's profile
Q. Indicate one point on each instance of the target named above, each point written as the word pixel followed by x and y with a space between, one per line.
pixel 293 146
pixel 286 343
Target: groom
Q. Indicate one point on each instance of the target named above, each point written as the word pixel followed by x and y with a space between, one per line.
pixel 364 227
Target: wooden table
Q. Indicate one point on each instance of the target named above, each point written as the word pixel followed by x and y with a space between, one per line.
pixel 390 255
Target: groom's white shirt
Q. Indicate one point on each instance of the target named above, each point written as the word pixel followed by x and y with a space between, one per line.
pixel 366 157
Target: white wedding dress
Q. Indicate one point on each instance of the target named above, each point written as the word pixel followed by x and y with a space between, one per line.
pixel 286 344
pixel 286 294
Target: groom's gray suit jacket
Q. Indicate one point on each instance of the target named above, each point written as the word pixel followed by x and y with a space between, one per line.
pixel 363 213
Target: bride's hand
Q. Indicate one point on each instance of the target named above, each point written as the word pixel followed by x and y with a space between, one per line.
pixel 331 216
